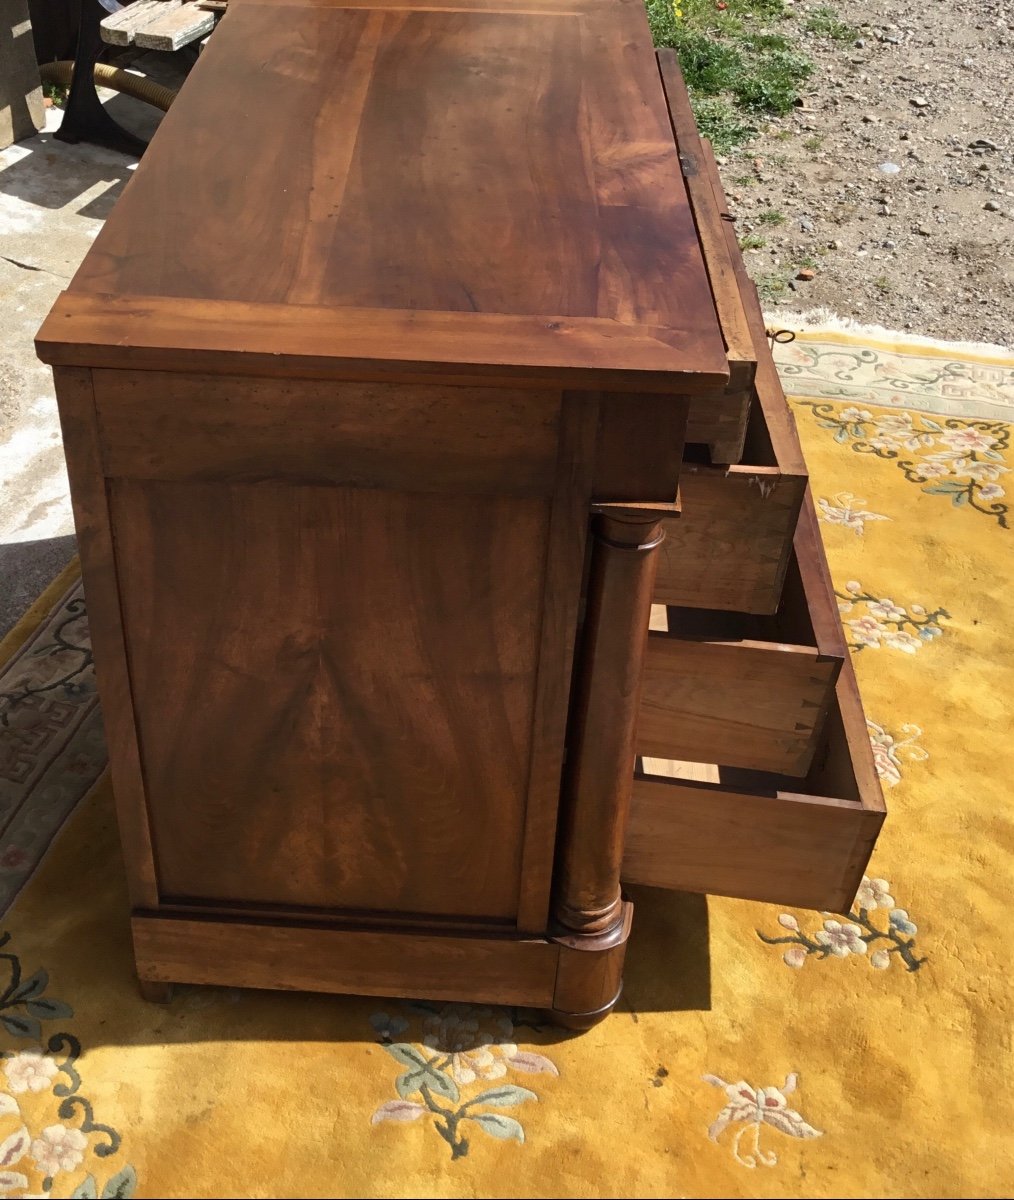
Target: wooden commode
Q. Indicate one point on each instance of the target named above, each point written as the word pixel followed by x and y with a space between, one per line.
pixel 413 367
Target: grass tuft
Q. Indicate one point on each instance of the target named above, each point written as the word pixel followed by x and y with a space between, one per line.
pixel 825 22
pixel 735 59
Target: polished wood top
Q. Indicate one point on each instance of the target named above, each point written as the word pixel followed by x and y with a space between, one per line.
pixel 409 187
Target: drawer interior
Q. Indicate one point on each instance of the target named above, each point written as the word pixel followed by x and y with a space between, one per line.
pixel 762 836
pixel 742 689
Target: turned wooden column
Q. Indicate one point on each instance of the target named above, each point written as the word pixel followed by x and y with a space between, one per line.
pixel 600 755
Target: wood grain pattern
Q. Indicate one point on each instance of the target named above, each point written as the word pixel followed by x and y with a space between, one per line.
pixel 160 425
pixel 334 690
pixel 365 962
pixel 292 342
pixel 472 164
pixel 640 448
pixel 101 585
pixel 561 600
pixel 710 214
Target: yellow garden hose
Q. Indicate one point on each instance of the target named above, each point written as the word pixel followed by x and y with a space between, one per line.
pixel 137 86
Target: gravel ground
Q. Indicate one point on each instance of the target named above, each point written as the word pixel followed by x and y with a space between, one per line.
pixel 895 181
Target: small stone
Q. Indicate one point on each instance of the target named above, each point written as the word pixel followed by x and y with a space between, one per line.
pixel 968 63
pixel 806 225
pixel 806 274
pixel 991 206
pixel 889 168
pixel 885 210
pixel 919 102
pixel 860 43
pixel 922 231
pixel 837 244
pixel 983 144
pixel 888 244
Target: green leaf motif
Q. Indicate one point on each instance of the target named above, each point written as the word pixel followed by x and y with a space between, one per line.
pixel 31 987
pixel 48 1009
pixel 505 1096
pixel 945 489
pixel 499 1126
pixel 87 1189
pixel 421 1071
pixel 928 424
pixel 443 1085
pixel 407 1055
pixel 122 1185
pixel 409 1083
pixel 22 1027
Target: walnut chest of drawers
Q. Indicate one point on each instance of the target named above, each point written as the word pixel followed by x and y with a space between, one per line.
pixel 414 366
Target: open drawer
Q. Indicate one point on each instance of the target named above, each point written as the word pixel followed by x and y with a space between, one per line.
pixel 731 547
pixel 742 690
pixel 761 836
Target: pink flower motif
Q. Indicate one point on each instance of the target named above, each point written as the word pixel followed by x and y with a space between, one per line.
pixel 30 1071
pixel 794 957
pixel 58 1148
pixel 874 893
pixel 886 610
pixel 967 439
pixel 981 472
pixel 901 639
pixel 753 1108
pixel 991 491
pixel 867 631
pixel 841 939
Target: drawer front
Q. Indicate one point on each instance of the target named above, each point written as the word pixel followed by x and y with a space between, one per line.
pixel 761 837
pixel 753 704
pixel 730 548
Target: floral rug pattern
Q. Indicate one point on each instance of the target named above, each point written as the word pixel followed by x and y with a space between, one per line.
pixel 227 1092
pixel 462 1048
pixel 48 1127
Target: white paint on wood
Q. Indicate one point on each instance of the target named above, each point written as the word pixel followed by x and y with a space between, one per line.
pixel 121 28
pixel 175 29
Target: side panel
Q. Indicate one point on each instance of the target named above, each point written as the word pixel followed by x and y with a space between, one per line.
pixel 346 694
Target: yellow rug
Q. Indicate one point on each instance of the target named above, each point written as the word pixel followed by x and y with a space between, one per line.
pixel 758 1052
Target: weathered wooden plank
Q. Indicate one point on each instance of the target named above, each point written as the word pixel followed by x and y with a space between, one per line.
pixel 175 29
pixel 121 28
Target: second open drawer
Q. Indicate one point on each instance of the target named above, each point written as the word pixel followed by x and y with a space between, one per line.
pixel 742 690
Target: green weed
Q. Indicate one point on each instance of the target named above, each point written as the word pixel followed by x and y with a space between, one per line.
pixel 825 22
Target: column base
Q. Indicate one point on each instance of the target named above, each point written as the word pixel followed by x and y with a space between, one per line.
pixel 579 1022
